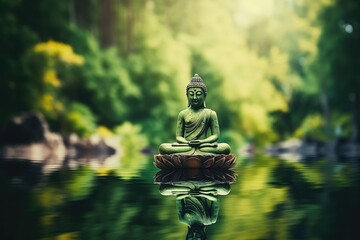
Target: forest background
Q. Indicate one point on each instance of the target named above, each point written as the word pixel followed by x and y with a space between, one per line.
pixel 275 69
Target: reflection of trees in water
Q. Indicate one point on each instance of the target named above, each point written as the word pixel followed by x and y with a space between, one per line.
pixel 319 203
pixel 274 199
pixel 78 204
pixel 113 209
pixel 271 199
pixel 18 209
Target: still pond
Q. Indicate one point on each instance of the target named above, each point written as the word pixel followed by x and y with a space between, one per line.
pixel 262 198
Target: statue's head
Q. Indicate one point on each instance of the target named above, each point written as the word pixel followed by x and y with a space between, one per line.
pixel 196 92
pixel 196 232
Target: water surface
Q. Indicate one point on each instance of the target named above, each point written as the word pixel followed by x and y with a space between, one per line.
pixel 270 199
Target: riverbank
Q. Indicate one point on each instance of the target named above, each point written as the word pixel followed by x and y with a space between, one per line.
pixel 27 137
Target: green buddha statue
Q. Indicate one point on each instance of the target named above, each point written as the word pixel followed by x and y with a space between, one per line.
pixel 197 128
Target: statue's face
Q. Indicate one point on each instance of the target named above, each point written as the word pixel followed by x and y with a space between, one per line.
pixel 196 97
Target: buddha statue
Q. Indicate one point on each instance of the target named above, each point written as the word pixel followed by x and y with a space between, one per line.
pixel 197 128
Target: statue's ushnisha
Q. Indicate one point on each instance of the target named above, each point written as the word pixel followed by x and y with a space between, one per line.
pixel 197 131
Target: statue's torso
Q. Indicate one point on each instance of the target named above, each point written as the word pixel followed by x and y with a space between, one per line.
pixel 196 124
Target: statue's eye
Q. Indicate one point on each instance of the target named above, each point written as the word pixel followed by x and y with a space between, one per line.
pixel 198 93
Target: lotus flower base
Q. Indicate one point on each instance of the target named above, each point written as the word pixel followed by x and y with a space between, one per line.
pixel 194 161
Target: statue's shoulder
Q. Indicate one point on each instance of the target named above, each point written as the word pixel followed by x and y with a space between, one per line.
pixel 210 111
pixel 184 112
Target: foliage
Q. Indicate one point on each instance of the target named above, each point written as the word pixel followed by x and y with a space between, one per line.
pixel 103 84
pixel 104 132
pixel 21 29
pixel 52 57
pixel 132 143
pixel 80 120
pixel 61 51
pixel 269 65
pixel 312 126
pixel 337 59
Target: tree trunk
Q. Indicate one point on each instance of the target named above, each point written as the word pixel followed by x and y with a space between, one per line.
pixel 108 22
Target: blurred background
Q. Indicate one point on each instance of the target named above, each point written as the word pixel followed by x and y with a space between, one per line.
pixel 96 86
pixel 274 69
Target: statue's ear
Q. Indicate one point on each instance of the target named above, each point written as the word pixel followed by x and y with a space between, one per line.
pixel 204 104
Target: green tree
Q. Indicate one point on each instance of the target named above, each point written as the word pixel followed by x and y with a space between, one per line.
pixel 337 63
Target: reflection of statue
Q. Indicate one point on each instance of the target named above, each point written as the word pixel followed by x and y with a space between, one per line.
pixel 170 176
pixel 196 198
pixel 197 129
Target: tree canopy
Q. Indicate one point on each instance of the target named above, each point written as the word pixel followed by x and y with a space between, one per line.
pixel 270 66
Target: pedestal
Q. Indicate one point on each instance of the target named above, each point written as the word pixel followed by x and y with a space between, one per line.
pixel 194 161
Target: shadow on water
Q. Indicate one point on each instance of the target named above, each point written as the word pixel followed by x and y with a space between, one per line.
pixel 270 199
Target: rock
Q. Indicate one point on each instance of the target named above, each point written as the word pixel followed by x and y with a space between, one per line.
pixel 95 147
pixel 25 128
pixel 27 136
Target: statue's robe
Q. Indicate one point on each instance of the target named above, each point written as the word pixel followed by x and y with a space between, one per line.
pixel 194 126
pixel 192 209
pixel 198 128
